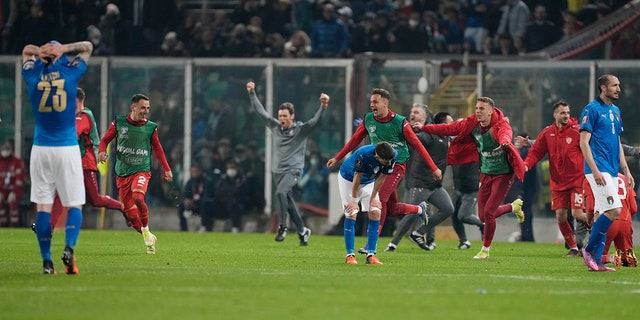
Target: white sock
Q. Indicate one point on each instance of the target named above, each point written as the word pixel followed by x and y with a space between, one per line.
pixel 485 248
pixel 145 229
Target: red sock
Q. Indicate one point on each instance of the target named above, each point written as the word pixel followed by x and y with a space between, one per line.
pixel 567 234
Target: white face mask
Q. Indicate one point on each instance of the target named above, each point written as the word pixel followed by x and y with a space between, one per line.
pixel 232 172
pixel 5 153
pixel 313 162
pixel 413 23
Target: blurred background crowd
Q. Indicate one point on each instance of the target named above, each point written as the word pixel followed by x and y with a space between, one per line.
pixel 304 28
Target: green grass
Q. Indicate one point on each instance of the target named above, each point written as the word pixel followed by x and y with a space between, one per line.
pixel 239 276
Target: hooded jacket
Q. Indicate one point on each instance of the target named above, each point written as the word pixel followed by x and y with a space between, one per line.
pixel 566 162
pixel 463 148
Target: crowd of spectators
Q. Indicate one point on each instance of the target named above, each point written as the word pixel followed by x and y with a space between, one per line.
pixel 303 28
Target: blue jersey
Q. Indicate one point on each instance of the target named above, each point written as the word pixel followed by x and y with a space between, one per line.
pixel 605 124
pixel 52 91
pixel 363 160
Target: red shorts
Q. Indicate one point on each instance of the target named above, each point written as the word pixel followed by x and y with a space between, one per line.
pixel 138 182
pixel 567 199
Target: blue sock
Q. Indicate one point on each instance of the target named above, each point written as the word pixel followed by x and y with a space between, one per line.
pixel 372 236
pixel 43 233
pixel 600 248
pixel 74 221
pixel 349 235
pixel 598 233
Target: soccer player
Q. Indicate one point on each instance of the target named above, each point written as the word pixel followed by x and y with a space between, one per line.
pixel 88 139
pixel 361 176
pixel 600 129
pixel 621 230
pixel 290 142
pixel 136 136
pixel 485 136
pixel 382 124
pixel 420 184
pixel 56 164
pixel 561 141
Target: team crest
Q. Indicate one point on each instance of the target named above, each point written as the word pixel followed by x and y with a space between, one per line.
pixel 372 128
pixel 124 130
pixel 568 140
pixel 610 200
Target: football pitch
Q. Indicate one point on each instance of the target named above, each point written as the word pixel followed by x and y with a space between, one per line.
pixel 250 276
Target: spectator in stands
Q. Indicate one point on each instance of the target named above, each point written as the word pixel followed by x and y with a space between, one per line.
pixel 243 12
pixel 241 44
pixel 298 46
pixel 627 46
pixel 196 198
pixel 380 6
pixel 95 36
pixel 513 24
pixel 209 44
pixel 409 36
pixel 116 31
pixel 273 46
pixel 190 30
pixel 38 26
pixel 223 154
pixel 276 17
pixel 381 35
pixel 172 46
pixel 302 15
pixel 475 12
pixel 421 6
pixel 361 34
pixel 451 29
pixel 541 33
pixel 329 38
pixel 255 30
pixel 8 18
pixel 435 38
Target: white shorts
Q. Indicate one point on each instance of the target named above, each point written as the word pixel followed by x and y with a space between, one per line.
pixel 605 197
pixel 364 193
pixel 57 169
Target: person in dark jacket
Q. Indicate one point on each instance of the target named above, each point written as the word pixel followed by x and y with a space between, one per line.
pixel 421 185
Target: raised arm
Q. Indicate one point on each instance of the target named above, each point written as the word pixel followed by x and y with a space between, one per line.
pixel 257 105
pixel 30 52
pixel 324 103
pixel 83 50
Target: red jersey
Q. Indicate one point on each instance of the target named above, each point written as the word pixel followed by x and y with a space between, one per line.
pixel 463 150
pixel 566 162
pixel 84 124
pixel 12 174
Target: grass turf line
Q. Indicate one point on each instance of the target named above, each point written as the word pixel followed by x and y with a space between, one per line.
pixel 239 276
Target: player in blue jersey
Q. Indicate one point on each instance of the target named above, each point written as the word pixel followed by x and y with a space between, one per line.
pixel 56 164
pixel 361 176
pixel 600 129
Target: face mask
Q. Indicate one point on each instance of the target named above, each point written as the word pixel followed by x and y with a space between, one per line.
pixel 5 153
pixel 232 172
pixel 413 23
pixel 313 162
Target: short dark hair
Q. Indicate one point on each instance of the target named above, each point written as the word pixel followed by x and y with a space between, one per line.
pixel 385 151
pixel 441 117
pixel 382 92
pixel 287 106
pixel 487 100
pixel 559 104
pixel 80 94
pixel 604 80
pixel 137 97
